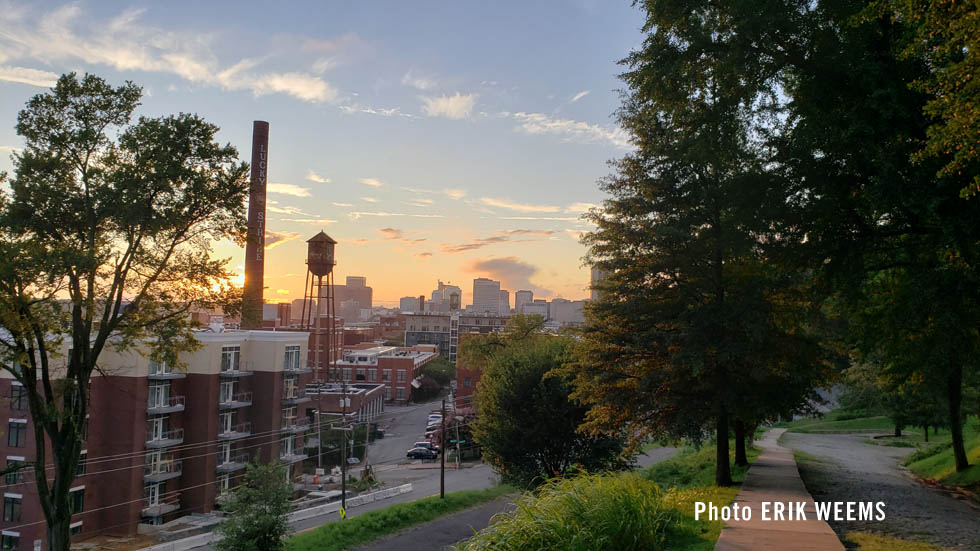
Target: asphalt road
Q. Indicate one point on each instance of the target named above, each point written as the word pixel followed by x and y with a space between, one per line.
pixel 849 469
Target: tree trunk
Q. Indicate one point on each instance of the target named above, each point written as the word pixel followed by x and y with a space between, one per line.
pixel 927 433
pixel 59 534
pixel 723 471
pixel 740 458
pixel 898 430
pixel 954 394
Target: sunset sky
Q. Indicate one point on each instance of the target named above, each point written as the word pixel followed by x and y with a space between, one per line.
pixel 447 140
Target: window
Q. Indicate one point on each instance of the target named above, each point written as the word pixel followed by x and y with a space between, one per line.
pixel 152 493
pixel 10 541
pixel 82 464
pixel 230 357
pixel 76 498
pixel 224 422
pixel 224 453
pixel 386 376
pixel 346 373
pixel 157 427
pixel 467 382
pixel 11 508
pixel 159 396
pixel 288 446
pixel 158 368
pixel 84 430
pixel 387 393
pixel 361 374
pixel 17 434
pixel 401 375
pixel 76 528
pixel 373 375
pixel 224 483
pixel 290 385
pixel 14 477
pixel 291 359
pixel 18 397
pixel 227 392
pixel 400 393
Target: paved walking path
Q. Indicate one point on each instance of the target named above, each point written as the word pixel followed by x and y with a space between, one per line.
pixel 774 477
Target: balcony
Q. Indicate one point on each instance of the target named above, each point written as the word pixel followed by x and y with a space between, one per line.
pixel 296 369
pixel 163 470
pixel 234 463
pixel 292 457
pixel 295 426
pixel 171 405
pixel 164 439
pixel 240 400
pixel 240 430
pixel 160 508
pixel 232 370
pixel 293 398
pixel 163 373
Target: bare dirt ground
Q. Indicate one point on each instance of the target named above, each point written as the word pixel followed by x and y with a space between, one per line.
pixel 846 468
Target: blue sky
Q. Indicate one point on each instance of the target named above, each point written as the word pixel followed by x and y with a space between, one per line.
pixel 434 140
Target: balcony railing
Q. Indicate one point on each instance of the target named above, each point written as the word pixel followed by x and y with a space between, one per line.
pixel 240 430
pixel 161 373
pixel 171 405
pixel 161 507
pixel 295 425
pixel 163 470
pixel 234 463
pixel 293 398
pixel 239 400
pixel 164 439
pixel 292 457
pixel 235 369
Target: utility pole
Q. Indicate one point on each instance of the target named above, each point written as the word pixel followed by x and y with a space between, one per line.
pixel 343 453
pixel 442 453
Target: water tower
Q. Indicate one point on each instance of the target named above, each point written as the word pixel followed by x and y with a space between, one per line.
pixel 319 266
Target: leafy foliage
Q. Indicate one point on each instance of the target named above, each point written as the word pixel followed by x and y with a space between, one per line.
pixel 106 238
pixel 526 425
pixel 258 509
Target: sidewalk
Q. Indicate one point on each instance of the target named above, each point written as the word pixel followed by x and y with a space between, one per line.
pixel 774 477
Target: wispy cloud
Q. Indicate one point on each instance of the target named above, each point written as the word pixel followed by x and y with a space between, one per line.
pixel 316 178
pixel 24 75
pixel 358 214
pixel 572 130
pixel 528 232
pixel 502 236
pixel 278 238
pixel 342 204
pixel 419 190
pixel 393 234
pixel 312 221
pixel 548 218
pixel 274 206
pixel 452 107
pixel 575 234
pixel 125 43
pixel 579 96
pixel 369 199
pixel 10 149
pixel 288 189
pixel 580 207
pixel 419 203
pixel 423 255
pixel 520 207
pixel 415 81
pixel 282 291
pixel 373 182
pixel 455 193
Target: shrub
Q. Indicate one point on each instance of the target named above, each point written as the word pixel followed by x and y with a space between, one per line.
pixel 587 512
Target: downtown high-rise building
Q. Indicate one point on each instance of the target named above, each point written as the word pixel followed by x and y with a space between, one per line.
pixel 486 295
pixel 504 308
pixel 521 298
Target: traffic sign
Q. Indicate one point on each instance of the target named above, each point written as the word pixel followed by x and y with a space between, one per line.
pixel 343 513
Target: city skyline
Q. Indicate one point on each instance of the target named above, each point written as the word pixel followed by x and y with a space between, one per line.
pixel 454 158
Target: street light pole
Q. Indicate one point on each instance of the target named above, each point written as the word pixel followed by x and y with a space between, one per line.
pixel 343 452
pixel 442 453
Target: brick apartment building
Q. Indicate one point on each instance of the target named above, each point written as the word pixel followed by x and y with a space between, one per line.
pixel 394 366
pixel 162 443
pixel 443 330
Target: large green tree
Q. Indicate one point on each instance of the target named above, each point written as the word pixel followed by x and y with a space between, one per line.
pixel 257 511
pixel 526 425
pixel 105 238
pixel 696 326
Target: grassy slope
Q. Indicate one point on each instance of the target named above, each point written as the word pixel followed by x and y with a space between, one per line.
pixel 936 461
pixel 872 542
pixel 830 422
pixel 372 525
pixel 691 475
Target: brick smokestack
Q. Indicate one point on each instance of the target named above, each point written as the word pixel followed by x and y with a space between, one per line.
pixel 255 246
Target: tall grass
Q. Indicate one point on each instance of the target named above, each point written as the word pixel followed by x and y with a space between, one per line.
pixel 583 513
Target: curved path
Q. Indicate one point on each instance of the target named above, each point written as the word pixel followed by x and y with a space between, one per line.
pixel 847 468
pixel 773 477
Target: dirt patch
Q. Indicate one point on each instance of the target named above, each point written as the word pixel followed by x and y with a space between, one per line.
pixel 846 468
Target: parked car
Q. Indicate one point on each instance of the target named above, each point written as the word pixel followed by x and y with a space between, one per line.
pixel 422 453
pixel 427 444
